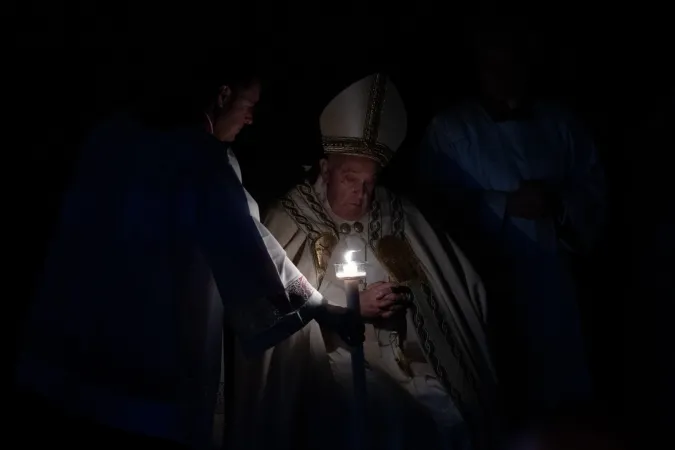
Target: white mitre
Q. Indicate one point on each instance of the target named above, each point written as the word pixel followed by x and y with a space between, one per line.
pixel 367 119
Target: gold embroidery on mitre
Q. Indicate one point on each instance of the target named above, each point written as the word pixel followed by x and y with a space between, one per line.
pixel 367 144
pixel 322 250
pixel 396 255
pixel 352 146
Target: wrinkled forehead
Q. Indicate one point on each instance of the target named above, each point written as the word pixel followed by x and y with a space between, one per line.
pixel 354 164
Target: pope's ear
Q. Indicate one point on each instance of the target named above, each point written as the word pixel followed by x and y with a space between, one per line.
pixel 224 94
pixel 323 167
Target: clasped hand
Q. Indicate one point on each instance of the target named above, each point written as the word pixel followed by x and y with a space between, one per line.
pixel 382 300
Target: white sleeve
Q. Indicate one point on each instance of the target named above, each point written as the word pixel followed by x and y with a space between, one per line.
pixel 257 306
pixel 289 275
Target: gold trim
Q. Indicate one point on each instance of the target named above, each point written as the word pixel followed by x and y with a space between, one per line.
pixel 367 146
pixel 398 258
pixel 358 147
pixel 306 190
pixel 371 127
pixel 397 220
pixel 320 241
pixel 323 248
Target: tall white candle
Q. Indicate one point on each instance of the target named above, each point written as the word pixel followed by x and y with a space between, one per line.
pixel 352 273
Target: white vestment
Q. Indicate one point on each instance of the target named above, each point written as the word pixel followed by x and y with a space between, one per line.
pixel 475 162
pixel 439 347
pixel 382 354
pixel 288 274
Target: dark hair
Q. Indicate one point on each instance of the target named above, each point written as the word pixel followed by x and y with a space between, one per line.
pixel 178 92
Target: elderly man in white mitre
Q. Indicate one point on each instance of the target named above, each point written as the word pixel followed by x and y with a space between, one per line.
pixel 430 378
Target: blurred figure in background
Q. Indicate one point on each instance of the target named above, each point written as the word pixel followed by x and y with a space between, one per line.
pixel 519 185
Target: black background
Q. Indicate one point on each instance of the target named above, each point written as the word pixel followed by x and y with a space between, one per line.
pixel 73 63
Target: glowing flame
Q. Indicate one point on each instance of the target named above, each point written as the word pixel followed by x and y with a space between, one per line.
pixel 350 269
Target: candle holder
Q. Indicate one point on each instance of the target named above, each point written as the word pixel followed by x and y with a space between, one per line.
pixel 351 269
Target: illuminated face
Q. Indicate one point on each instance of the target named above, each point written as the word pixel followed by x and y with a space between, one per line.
pixel 236 112
pixel 350 182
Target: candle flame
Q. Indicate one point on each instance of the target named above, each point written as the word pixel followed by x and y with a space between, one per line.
pixel 350 268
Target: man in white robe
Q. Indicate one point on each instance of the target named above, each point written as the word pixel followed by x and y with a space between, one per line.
pixel 430 378
pixel 154 247
pixel 291 279
pixel 520 185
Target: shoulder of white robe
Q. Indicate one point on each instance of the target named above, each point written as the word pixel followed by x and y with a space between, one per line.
pixel 278 222
pixel 433 252
pixel 419 229
pixel 450 124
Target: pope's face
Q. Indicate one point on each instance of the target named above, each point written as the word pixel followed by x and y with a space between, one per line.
pixel 350 182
